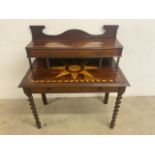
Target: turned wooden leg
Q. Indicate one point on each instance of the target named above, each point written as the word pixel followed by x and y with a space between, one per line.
pixel 106 98
pixel 33 107
pixel 44 98
pixel 116 109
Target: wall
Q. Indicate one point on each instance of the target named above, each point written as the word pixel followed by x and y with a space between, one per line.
pixel 137 37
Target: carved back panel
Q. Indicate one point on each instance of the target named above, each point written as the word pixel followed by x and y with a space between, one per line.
pixel 73 35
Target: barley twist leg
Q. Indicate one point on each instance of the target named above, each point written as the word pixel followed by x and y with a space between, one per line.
pixel 116 109
pixel 33 107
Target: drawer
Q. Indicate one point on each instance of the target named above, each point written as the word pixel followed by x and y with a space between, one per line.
pixel 57 53
pixel 73 89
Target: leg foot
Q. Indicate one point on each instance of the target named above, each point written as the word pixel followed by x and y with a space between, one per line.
pixel 44 98
pixel 33 107
pixel 106 98
pixel 116 109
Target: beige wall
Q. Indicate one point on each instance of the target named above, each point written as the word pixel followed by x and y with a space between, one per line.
pixel 138 61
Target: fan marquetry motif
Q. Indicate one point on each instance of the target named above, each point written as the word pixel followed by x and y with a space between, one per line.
pixel 75 71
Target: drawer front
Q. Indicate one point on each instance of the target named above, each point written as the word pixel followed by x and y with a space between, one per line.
pixel 74 89
pixel 74 53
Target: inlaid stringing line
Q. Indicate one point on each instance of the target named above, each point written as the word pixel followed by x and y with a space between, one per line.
pixel 118 78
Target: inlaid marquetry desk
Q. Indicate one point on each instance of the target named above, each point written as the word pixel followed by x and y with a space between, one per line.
pixel 74 62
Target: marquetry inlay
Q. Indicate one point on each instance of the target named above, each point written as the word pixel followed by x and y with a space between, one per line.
pixel 75 71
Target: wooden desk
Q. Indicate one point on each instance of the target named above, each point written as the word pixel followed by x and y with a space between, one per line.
pixel 74 62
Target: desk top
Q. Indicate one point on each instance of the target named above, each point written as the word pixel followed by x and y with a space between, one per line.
pixel 72 75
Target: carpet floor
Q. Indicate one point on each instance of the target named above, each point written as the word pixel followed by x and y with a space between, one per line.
pixel 78 116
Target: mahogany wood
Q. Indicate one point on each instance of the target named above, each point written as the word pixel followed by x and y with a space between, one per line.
pixel 33 107
pixel 85 61
pixel 116 109
pixel 74 43
pixel 76 35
